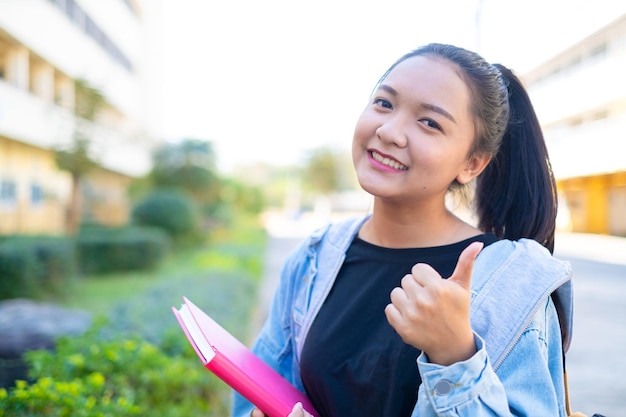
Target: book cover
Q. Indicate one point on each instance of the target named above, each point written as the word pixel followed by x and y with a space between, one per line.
pixel 231 361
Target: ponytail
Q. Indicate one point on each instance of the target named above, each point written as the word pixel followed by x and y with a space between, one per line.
pixel 516 194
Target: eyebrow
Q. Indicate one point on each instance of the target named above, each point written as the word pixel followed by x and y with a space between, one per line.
pixel 426 106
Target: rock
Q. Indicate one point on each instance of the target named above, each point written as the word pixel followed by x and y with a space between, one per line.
pixel 29 325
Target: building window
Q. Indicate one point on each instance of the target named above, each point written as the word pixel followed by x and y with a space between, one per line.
pixel 83 21
pixel 36 195
pixel 8 193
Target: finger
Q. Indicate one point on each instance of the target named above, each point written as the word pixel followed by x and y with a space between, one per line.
pixel 412 290
pixel 257 413
pixel 423 274
pixel 393 315
pixel 463 271
pixel 298 411
pixel 399 295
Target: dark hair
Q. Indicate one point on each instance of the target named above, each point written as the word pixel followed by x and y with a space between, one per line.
pixel 515 195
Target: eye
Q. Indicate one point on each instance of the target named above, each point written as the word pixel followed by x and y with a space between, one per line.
pixel 431 124
pixel 383 103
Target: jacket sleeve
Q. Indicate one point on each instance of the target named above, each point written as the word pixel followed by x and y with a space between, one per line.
pixel 528 382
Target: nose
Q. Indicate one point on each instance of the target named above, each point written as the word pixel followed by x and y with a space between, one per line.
pixel 391 132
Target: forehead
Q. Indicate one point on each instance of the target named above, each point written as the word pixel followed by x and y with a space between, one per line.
pixel 429 78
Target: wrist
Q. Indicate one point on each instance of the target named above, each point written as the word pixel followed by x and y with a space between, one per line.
pixel 458 351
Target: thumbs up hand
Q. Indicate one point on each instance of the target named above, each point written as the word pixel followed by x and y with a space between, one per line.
pixel 432 314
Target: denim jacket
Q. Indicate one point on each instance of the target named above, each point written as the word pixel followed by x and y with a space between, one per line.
pixel 518 367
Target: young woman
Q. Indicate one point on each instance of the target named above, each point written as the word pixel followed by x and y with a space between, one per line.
pixel 409 310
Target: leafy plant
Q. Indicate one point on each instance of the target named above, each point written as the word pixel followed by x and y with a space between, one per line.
pixel 77 398
pixel 94 376
pixel 103 250
pixel 173 211
pixel 30 265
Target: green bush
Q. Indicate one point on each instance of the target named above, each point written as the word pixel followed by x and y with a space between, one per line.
pixel 90 376
pixel 31 265
pixel 171 210
pixel 77 398
pixel 18 273
pixel 103 250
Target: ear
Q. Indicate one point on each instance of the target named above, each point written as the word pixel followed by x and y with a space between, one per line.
pixel 474 165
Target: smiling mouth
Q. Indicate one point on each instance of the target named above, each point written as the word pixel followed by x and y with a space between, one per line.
pixel 387 161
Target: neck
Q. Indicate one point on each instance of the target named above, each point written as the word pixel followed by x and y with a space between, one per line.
pixel 395 227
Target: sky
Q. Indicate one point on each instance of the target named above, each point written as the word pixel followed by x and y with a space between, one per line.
pixel 266 81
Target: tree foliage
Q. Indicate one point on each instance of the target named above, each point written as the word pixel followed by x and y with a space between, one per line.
pixel 170 210
pixel 76 158
pixel 320 171
pixel 190 166
pixel 328 170
pixel 88 100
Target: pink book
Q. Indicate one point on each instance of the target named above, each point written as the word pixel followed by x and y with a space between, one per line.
pixel 236 365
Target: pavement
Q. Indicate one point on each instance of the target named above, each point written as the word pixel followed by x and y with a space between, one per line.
pixel 595 361
pixel 597 248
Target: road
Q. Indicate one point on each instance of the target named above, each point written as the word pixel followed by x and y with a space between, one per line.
pixel 597 358
pixel 596 361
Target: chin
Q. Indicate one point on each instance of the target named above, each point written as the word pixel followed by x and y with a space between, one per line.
pixel 375 188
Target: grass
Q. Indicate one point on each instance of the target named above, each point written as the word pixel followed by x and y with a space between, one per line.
pixel 221 277
pixel 225 253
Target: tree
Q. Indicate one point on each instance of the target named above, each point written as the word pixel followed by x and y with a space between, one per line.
pixel 320 172
pixel 189 165
pixel 76 159
pixel 327 170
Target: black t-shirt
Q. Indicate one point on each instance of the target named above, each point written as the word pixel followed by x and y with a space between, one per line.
pixel 353 362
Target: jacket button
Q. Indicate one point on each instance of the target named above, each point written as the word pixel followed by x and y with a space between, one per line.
pixel 443 387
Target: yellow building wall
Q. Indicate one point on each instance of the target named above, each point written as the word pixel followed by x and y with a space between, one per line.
pixel 596 204
pixel 104 192
pixel 27 167
pixel 597 207
pixel 617 204
pixel 109 203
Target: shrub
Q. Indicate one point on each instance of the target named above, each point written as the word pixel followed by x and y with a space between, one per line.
pixel 30 265
pixel 173 211
pixel 110 250
pixel 80 397
pixel 90 376
pixel 18 272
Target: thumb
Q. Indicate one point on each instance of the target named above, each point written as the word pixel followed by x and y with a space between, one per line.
pixel 463 271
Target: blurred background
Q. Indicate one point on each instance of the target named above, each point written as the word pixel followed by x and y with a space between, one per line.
pixel 274 88
pixel 142 135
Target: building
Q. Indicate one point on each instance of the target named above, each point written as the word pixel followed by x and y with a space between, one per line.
pixel 45 47
pixel 580 98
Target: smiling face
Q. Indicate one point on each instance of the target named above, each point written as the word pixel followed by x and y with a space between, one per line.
pixel 414 137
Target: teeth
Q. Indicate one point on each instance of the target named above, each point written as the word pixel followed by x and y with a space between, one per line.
pixel 389 162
